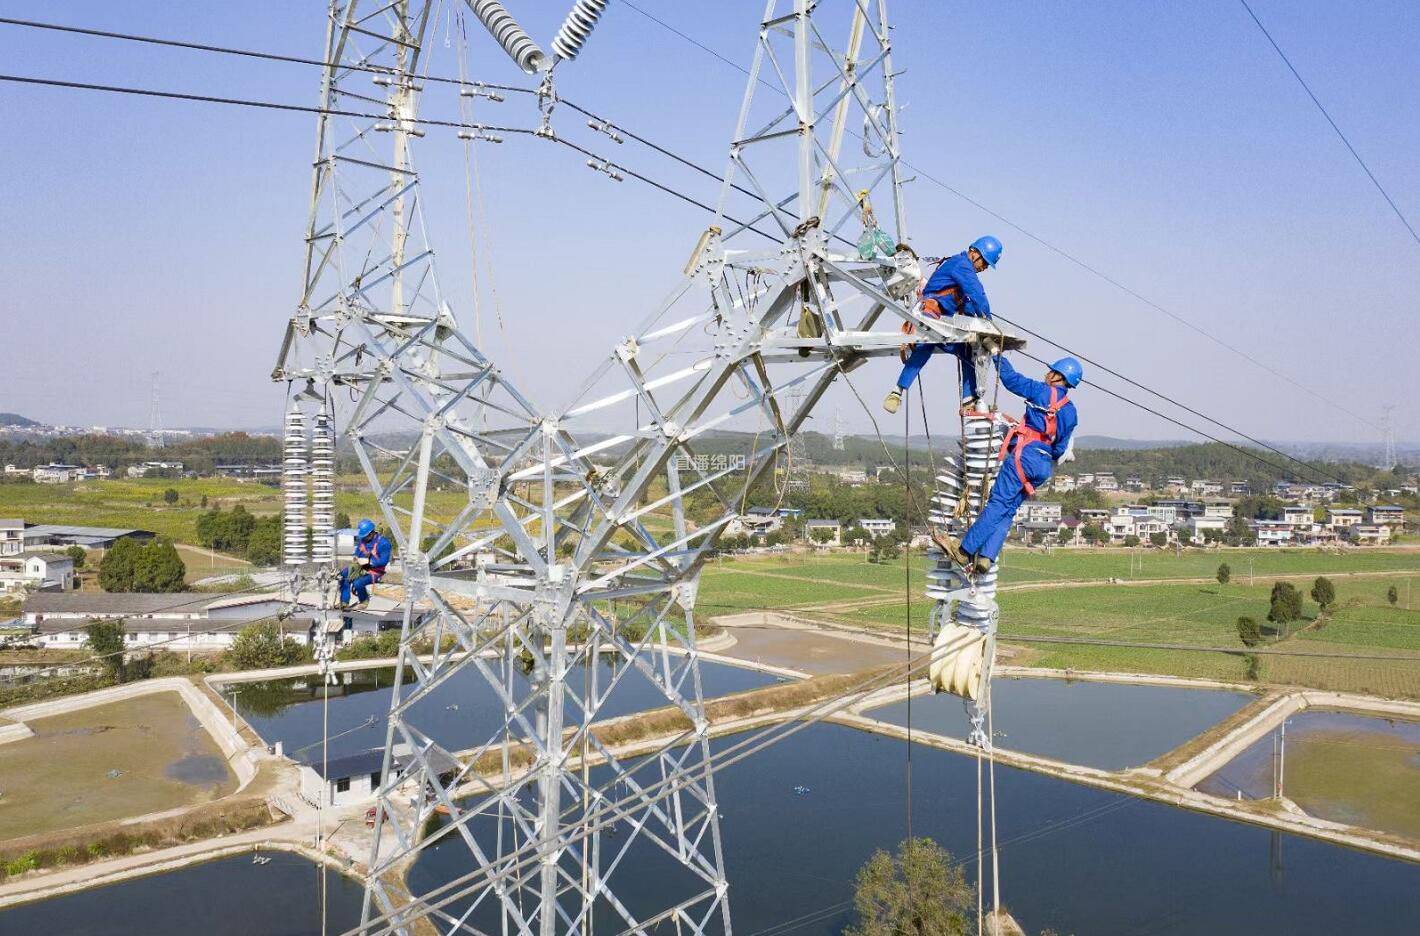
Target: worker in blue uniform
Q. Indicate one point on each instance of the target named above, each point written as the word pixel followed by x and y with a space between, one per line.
pixel 1028 456
pixel 953 289
pixel 372 556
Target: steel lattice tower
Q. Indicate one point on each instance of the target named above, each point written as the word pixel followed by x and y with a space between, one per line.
pixel 567 554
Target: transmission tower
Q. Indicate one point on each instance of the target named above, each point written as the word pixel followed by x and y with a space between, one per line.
pixel 155 412
pixel 547 586
pixel 840 433
pixel 1388 441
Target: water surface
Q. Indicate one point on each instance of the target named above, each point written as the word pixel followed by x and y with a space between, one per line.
pixel 1110 726
pixel 229 897
pixel 461 713
pixel 801 817
pixel 1357 769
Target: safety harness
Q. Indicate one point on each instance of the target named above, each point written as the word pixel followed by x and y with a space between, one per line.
pixel 947 301
pixel 1022 434
pixel 371 551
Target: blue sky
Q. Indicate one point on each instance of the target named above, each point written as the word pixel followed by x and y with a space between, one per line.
pixel 1165 144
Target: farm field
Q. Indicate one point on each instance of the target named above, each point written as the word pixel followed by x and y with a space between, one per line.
pixel 848 590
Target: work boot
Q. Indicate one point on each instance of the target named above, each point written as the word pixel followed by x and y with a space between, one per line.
pixel 981 564
pixel 951 546
pixel 893 401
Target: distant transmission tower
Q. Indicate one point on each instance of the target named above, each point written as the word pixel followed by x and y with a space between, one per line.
pixel 798 475
pixel 1388 438
pixel 840 433
pixel 155 413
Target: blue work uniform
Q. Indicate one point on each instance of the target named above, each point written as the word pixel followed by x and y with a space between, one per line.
pixel 956 289
pixel 377 549
pixel 1035 459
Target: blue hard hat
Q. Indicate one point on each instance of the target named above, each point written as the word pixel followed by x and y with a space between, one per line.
pixel 367 527
pixel 989 248
pixel 1070 369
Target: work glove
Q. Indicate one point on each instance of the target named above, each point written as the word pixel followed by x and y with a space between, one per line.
pixel 362 561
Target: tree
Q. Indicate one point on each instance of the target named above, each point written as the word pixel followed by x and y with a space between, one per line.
pixel 170 496
pixel 79 554
pixel 260 645
pixel 1185 537
pixel 1392 595
pixel 264 545
pixel 1249 631
pixel 106 642
pixel 342 521
pixel 203 503
pixel 1285 606
pixel 1225 574
pixel 1254 667
pixel 1131 541
pixel 1159 539
pixel 917 892
pixel 159 568
pixel 116 569
pixel 1323 592
pixel 821 535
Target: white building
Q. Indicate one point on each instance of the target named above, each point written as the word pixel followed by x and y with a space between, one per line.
pixel 1106 482
pixel 355 778
pixel 1340 518
pixel 1298 515
pixel 1205 488
pixel 1366 534
pixel 1040 512
pixel 36 571
pixel 1386 515
pixel 757 521
pixel 177 621
pixel 1218 508
pixel 877 526
pixel 56 473
pixel 1063 483
pixel 155 469
pixel 1164 513
pixel 1272 532
pixel 1197 526
pixel 12 537
pixel 832 526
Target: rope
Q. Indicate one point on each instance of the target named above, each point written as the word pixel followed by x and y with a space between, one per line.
pixel 907 590
pixel 320 801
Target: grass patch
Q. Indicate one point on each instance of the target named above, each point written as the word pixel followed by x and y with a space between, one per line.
pixel 103 763
pixel 107 840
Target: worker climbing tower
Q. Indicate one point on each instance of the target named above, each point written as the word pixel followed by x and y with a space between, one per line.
pixel 563 583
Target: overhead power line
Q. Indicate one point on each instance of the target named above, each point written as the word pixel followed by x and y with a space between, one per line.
pixel 299 108
pixel 1355 155
pixel 1058 251
pixel 1170 400
pixel 375 69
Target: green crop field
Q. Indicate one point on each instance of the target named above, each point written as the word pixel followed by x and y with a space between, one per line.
pixel 135 503
pixel 1198 614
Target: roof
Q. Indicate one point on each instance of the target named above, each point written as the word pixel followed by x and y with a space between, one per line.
pixel 369 761
pixel 115 603
pixel 46 556
pixel 10 524
pixel 61 529
pixel 822 523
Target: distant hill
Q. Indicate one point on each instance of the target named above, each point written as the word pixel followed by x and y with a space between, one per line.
pixel 1111 442
pixel 15 420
